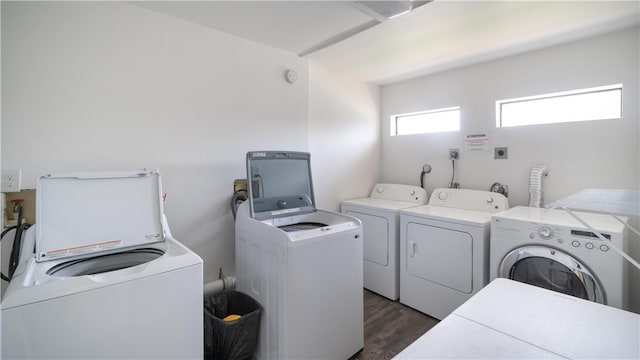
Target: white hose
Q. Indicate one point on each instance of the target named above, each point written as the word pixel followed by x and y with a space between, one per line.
pixel 216 286
pixel 535 185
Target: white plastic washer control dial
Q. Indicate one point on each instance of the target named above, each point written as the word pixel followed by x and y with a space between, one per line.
pixel 545 232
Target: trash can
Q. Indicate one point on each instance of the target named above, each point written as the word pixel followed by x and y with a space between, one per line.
pixel 231 326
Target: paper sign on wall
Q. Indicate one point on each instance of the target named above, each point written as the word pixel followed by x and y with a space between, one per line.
pixel 476 142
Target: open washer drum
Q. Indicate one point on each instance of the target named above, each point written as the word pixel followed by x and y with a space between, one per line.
pixel 90 220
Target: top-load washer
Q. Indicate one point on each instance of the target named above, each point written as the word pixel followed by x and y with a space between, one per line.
pixel 302 264
pixel 380 217
pixel 107 279
pixel 549 248
pixel 444 249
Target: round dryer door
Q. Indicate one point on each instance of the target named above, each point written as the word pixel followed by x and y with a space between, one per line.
pixel 551 269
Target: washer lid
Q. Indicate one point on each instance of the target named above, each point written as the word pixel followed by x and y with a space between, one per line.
pixel 82 214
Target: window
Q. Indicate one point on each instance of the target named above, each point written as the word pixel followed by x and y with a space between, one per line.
pixel 598 103
pixel 432 121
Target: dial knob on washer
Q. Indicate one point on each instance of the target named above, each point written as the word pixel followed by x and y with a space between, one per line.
pixel 490 200
pixel 545 232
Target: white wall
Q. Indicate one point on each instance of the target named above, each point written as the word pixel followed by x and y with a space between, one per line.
pixel 113 86
pixel 579 155
pixel 344 137
pixel 596 154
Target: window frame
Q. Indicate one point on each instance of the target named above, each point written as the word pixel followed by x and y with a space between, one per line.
pixel 393 128
pixel 571 93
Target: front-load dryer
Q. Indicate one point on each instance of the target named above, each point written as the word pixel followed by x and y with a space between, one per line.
pixel 107 279
pixel 380 217
pixel 444 249
pixel 551 249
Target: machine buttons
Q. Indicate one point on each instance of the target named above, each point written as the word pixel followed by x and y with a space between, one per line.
pixel 380 189
pixel 604 248
pixel 532 236
pixel 412 193
pixel 490 200
pixel 560 241
pixel 589 246
pixel 545 232
pixel 442 195
pixel 575 243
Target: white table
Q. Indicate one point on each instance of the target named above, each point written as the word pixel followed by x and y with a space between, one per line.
pixel 508 320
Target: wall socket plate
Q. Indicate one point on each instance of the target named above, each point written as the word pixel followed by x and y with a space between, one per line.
pixel 500 153
pixel 11 180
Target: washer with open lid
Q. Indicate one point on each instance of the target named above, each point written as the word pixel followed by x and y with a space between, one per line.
pixel 104 260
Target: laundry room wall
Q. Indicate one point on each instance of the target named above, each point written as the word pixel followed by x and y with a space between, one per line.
pixel 344 137
pixel 114 86
pixel 593 154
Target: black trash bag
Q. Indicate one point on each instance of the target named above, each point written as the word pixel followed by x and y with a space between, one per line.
pixel 231 340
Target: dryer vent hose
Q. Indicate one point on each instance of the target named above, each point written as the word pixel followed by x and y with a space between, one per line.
pixel 216 286
pixel 535 185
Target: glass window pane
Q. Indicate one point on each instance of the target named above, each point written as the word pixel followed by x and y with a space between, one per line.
pixel 581 105
pixel 548 274
pixel 440 120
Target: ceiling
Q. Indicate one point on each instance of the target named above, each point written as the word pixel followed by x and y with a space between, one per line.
pixel 348 38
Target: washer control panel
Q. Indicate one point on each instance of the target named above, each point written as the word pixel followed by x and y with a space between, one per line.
pixel 575 238
pixel 485 201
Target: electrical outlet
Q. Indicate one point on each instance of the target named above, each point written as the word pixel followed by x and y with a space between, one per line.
pixel 454 154
pixel 500 153
pixel 11 180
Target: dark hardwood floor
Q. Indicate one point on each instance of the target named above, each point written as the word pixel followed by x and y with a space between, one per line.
pixel 389 327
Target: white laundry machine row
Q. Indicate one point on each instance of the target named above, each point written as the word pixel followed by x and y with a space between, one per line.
pixel 380 217
pixel 444 249
pixel 107 279
pixel 551 249
pixel 302 264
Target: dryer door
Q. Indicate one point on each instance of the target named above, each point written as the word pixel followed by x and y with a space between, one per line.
pixel 375 237
pixel 551 269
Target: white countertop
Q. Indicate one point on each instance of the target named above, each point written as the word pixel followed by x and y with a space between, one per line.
pixel 508 319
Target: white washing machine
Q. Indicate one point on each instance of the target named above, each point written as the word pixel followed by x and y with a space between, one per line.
pixel 302 264
pixel 550 249
pixel 380 217
pixel 444 249
pixel 107 280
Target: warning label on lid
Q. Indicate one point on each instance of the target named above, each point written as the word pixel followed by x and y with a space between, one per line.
pixel 79 250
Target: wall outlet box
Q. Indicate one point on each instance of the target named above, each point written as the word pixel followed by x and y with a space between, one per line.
pixel 11 180
pixel 501 153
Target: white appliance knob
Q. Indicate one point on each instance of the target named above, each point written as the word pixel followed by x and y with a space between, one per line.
pixel 589 246
pixel 604 248
pixel 490 200
pixel 380 189
pixel 412 193
pixel 442 195
pixel 545 232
